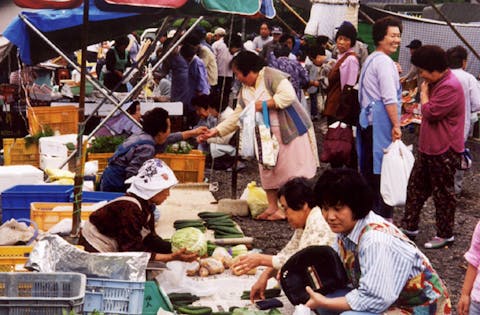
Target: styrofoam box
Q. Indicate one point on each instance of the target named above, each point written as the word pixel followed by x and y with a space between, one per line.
pixel 56 145
pixel 19 175
pixel 47 161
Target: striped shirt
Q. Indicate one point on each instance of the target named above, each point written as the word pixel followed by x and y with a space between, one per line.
pixel 386 264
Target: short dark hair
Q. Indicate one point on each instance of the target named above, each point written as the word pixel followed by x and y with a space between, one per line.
pixel 122 41
pixel 285 37
pixel 235 41
pixel 192 39
pixel 215 102
pixel 247 61
pixel 323 39
pixel 430 58
pixel 201 101
pixel 187 51
pixel 155 121
pixel 344 187
pixel 132 109
pixel 315 50
pixel 455 56
pixel 297 192
pixel 281 51
pixel 265 23
pixel 381 26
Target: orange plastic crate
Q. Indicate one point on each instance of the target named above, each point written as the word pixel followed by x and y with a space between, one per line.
pixel 63 119
pixel 13 264
pixel 16 153
pixel 188 168
pixel 43 215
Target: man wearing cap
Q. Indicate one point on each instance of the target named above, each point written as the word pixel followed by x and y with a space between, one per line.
pixel 269 47
pixel 223 57
pixel 413 71
pixel 264 37
pixel 127 223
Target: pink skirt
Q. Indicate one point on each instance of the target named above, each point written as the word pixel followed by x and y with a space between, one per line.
pixel 294 159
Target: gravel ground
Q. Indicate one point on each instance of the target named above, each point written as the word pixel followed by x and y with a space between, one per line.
pixel 449 262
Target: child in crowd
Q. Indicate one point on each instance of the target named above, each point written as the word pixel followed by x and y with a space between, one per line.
pixel 318 56
pixel 220 149
pixel 469 302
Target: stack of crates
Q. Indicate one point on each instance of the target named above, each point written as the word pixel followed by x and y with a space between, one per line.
pixel 41 293
pixel 16 200
pixel 113 296
pixel 13 258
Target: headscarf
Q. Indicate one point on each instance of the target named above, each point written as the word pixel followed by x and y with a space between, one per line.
pixel 153 177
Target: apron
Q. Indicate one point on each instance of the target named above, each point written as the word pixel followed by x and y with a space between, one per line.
pixel 381 125
pixel 422 294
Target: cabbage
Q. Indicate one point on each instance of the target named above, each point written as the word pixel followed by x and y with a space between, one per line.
pixel 239 250
pixel 190 238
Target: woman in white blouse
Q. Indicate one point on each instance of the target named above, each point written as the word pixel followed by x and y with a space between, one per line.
pixel 297 200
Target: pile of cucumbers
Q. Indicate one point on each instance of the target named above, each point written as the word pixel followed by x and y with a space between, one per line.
pixel 180 224
pixel 222 224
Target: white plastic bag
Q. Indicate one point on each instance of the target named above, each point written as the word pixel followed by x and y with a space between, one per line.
pixel 396 167
pixel 247 131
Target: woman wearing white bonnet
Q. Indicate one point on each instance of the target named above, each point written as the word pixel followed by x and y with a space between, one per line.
pixel 127 223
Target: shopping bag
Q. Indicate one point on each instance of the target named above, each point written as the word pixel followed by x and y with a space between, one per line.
pixel 466 160
pixel 338 143
pixel 266 144
pixel 256 199
pixel 246 146
pixel 396 167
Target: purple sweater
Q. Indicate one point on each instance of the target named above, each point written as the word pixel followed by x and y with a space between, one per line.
pixel 443 117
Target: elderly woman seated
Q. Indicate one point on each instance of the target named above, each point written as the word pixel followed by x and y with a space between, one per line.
pixel 127 223
pixel 297 200
pixel 388 274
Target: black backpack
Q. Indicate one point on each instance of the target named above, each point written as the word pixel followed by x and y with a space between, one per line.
pixel 319 267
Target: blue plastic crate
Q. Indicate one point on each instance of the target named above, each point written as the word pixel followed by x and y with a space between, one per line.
pixel 41 293
pixel 97 196
pixel 16 200
pixel 113 296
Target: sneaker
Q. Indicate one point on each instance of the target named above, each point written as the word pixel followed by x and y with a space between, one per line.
pixel 438 242
pixel 410 234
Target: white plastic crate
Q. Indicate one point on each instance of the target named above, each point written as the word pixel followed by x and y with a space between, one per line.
pixel 113 296
pixel 41 293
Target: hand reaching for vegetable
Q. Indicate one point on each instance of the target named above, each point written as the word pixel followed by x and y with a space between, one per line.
pixel 183 255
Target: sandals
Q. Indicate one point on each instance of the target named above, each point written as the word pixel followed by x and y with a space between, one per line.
pixel 271 216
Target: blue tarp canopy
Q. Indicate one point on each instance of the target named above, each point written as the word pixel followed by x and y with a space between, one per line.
pixel 63 27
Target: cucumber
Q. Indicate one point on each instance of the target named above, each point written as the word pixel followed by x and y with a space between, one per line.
pixel 195 310
pixel 269 293
pixel 229 236
pixel 226 229
pixel 207 214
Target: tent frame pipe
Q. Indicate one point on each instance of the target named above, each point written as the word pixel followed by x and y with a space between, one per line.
pixel 97 86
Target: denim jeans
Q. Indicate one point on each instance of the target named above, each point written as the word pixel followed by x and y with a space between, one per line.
pixel 339 293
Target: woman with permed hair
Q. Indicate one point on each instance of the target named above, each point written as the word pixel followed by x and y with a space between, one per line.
pixel 140 147
pixel 387 273
pixel 298 201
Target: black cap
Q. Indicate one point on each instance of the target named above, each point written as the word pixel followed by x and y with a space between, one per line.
pixel 414 44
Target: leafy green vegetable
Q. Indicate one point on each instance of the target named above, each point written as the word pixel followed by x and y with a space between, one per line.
pixel 181 147
pixel 190 238
pixel 47 131
pixel 105 144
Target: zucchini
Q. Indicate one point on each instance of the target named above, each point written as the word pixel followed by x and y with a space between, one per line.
pixel 195 310
pixel 269 293
pixel 229 236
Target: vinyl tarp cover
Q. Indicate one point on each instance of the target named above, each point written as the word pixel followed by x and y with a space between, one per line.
pixel 149 3
pixel 247 7
pixel 63 27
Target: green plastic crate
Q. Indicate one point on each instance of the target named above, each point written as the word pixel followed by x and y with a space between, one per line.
pixel 154 298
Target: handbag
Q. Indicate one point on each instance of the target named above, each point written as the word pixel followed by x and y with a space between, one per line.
pixel 349 107
pixel 266 144
pixel 319 267
pixel 466 160
pixel 337 144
